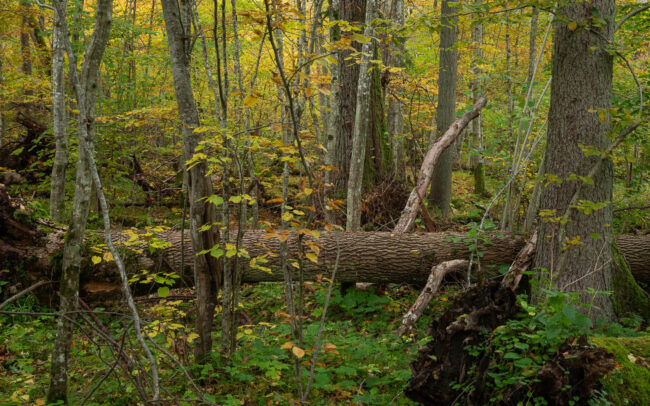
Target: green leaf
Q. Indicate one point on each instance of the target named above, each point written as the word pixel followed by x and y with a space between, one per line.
pixel 216 200
pixel 163 291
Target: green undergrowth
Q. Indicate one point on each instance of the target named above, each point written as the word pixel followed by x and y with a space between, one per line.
pixel 361 360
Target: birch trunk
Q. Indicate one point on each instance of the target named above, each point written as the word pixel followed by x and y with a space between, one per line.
pixel 69 288
pixel 440 195
pixel 207 270
pixel 57 191
pixel 361 125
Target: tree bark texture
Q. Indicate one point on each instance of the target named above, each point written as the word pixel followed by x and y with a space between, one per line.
pixel 352 11
pixel 436 277
pixel 476 127
pixel 582 84
pixel 207 269
pixel 72 252
pixel 361 124
pixel 57 191
pixel 407 218
pixel 395 121
pixel 440 195
pixel 365 256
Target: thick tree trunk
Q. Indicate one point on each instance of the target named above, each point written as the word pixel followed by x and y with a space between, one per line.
pixel 577 256
pixel 440 195
pixel 365 256
pixel 352 11
pixel 71 264
pixel 361 125
pixel 207 269
pixel 57 192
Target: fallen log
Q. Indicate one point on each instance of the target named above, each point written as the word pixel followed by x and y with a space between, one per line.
pixel 365 256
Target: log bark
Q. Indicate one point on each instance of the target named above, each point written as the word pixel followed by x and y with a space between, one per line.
pixel 365 256
pixel 407 219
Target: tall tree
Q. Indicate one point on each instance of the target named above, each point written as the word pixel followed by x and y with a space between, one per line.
pixel 69 288
pixel 476 126
pixel 576 255
pixel 57 191
pixel 207 270
pixel 361 124
pixel 440 194
pixel 395 120
pixel 352 11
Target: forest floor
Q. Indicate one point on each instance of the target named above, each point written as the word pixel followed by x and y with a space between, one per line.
pixel 361 360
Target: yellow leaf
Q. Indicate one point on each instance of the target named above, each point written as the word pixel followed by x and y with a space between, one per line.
pixel 96 260
pixel 298 352
pixel 191 337
pixel 287 345
pixel 312 257
pixel 108 257
pixel 308 191
pixel 572 26
pixel 250 100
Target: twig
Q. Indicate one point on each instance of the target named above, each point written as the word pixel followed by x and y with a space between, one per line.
pixel 24 292
pixel 630 15
pixel 111 369
pixel 322 323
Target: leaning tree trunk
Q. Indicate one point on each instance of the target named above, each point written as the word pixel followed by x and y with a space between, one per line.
pixel 207 270
pixel 71 264
pixel 440 194
pixel 57 191
pixel 577 256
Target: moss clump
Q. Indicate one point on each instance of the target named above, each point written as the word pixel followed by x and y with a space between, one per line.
pixel 629 385
pixel 628 296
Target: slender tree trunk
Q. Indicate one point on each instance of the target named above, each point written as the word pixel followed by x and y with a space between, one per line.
pixel 532 44
pixel 24 39
pixel 333 123
pixel 533 203
pixel 69 288
pixel 440 195
pixel 395 117
pixel 582 82
pixel 207 270
pixel 361 125
pixel 476 127
pixel 59 118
